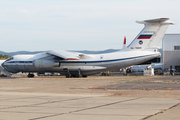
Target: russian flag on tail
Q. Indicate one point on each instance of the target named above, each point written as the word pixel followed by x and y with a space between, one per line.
pixel 144 36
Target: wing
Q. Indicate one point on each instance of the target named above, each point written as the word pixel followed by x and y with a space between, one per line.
pixel 64 55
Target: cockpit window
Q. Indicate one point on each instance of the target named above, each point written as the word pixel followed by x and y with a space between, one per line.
pixel 11 58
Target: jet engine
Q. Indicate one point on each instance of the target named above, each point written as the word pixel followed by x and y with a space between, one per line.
pixel 41 63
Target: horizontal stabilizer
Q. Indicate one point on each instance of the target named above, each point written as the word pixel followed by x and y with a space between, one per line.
pixel 158 20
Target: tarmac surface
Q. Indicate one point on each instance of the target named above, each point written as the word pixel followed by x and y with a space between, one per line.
pixel 140 85
pixel 98 98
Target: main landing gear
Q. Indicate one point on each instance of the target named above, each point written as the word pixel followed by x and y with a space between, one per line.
pixel 74 74
pixel 77 75
pixel 30 75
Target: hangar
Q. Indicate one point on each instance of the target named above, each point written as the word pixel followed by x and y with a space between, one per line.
pixel 171 51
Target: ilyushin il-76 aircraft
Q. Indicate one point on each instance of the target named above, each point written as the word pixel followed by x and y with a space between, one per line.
pixel 72 64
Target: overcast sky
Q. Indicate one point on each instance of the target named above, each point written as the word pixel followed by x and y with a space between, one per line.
pixel 39 25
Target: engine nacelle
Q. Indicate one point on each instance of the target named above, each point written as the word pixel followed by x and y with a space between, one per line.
pixel 41 63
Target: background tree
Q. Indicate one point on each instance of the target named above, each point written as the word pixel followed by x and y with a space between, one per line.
pixel 4 57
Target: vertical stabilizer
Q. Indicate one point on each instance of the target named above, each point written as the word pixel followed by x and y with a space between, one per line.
pixel 151 34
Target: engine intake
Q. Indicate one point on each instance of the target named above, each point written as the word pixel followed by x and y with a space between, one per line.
pixel 41 63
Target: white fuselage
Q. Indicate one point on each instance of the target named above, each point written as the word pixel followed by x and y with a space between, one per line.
pixel 86 65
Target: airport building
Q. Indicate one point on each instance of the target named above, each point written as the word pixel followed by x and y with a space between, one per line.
pixel 171 51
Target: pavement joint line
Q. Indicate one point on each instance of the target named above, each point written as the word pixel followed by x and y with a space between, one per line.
pixel 160 112
pixel 84 109
pixel 22 98
pixel 49 102
pixel 26 112
pixel 108 114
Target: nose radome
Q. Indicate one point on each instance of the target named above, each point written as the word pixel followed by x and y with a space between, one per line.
pixel 3 64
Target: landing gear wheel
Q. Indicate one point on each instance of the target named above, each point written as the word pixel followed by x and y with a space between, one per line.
pixel 68 76
pixel 75 76
pixel 30 75
pixel 84 76
pixel 79 75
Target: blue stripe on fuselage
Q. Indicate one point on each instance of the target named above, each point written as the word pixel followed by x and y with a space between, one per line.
pixel 20 62
pixel 104 60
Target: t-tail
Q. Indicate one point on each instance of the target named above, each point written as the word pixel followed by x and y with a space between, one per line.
pixel 151 35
